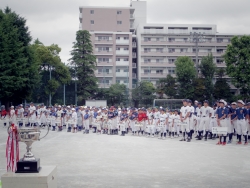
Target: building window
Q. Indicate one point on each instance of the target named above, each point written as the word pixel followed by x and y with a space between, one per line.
pixel 92 11
pixel 126 38
pixel 103 60
pixel 146 71
pixel 118 59
pixel 159 60
pixel 147 60
pixel 125 81
pixel 219 40
pixel 183 50
pixel 117 48
pixel 159 71
pixel 147 39
pixel 119 22
pixel 159 50
pixel 118 70
pixel 171 39
pixel 92 22
pixel 119 12
pixel 125 59
pixel 117 38
pixel 125 70
pixel 171 60
pixel 118 81
pixel 103 49
pixel 171 50
pixel 126 49
pixel 147 50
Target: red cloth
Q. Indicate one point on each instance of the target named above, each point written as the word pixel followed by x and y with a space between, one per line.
pixel 145 116
pixel 140 117
pixel 3 113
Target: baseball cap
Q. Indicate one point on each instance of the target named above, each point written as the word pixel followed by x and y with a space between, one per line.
pixel 185 100
pixel 195 101
pixel 240 101
pixel 199 103
pixel 233 103
pixel 73 109
pixel 206 101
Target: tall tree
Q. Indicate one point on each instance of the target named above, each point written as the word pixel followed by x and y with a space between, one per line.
pixel 208 68
pixel 221 87
pixel 18 65
pixel 143 94
pixel 167 86
pixel 85 63
pixel 50 64
pixel 117 94
pixel 199 89
pixel 185 73
pixel 237 58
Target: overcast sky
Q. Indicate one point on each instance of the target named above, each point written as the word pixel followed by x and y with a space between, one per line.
pixel 56 21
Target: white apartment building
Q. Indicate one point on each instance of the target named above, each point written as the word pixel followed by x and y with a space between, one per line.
pixel 129 49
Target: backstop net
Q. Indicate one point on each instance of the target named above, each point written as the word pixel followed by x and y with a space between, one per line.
pixel 171 104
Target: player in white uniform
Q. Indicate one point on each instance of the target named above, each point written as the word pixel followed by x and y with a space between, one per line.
pixel 163 119
pixel 156 121
pixel 197 118
pixel 150 125
pixel 213 122
pixel 32 114
pixel 74 119
pixel 184 118
pixel 205 119
pixel 191 118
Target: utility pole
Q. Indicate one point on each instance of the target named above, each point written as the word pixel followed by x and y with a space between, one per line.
pixel 75 88
pixel 197 38
pixel 50 91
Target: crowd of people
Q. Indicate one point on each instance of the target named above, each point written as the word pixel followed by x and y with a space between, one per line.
pixel 191 121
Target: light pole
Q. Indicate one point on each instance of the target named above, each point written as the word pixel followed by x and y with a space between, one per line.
pixel 197 38
pixel 50 91
pixel 75 88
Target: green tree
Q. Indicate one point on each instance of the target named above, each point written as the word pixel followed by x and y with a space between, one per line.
pixel 49 61
pixel 18 66
pixel 185 73
pixel 221 87
pixel 117 94
pixel 167 86
pixel 143 94
pixel 85 63
pixel 199 89
pixel 237 58
pixel 208 68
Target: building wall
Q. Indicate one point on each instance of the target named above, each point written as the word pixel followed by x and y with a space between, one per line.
pixel 105 19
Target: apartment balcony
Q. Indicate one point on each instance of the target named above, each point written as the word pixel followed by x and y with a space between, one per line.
pixel 154 64
pixel 104 85
pixel 131 17
pixel 104 63
pixel 80 26
pixel 169 53
pixel 154 31
pixel 98 52
pixel 122 74
pixel 103 74
pixel 134 86
pixel 122 63
pixel 121 52
pixel 178 31
pixel 134 55
pixel 134 65
pixel 134 45
pixel 80 15
pixel 154 75
pixel 122 42
pixel 184 43
pixel 102 41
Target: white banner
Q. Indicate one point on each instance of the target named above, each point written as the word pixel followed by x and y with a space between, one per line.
pixel 219 130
